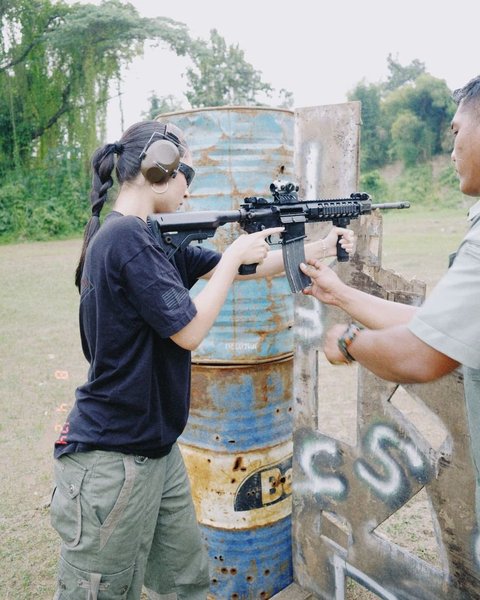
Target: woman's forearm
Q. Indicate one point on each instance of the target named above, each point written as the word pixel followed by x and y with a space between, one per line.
pixel 208 303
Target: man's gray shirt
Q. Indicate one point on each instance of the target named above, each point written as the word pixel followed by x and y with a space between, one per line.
pixel 449 321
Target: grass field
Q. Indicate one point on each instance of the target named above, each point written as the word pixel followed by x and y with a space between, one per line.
pixel 41 364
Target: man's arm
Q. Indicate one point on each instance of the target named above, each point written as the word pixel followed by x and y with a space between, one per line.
pixel 393 353
pixel 371 311
pixel 388 349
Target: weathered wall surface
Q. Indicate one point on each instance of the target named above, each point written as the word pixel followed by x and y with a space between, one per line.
pixel 363 447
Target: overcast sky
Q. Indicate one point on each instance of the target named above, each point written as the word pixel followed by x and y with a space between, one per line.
pixel 317 49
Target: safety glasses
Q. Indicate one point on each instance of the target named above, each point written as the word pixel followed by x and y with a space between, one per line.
pixel 187 172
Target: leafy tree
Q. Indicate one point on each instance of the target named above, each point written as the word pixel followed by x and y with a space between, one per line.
pixel 425 108
pixel 405 118
pixel 221 76
pixel 161 105
pixel 400 75
pixel 287 99
pixel 56 66
pixel 375 137
pixel 412 140
pixel 57 63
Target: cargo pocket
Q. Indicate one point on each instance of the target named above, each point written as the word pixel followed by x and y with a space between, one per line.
pixel 97 586
pixel 66 507
pixel 118 510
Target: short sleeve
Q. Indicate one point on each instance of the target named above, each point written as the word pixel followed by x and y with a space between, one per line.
pixel 449 320
pixel 157 292
pixel 199 261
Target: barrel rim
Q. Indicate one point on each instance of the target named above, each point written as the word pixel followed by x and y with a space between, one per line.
pixel 226 107
pixel 229 363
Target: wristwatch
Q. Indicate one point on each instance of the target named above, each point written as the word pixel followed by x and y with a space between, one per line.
pixel 347 338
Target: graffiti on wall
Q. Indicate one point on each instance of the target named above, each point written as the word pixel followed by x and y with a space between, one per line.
pixel 344 490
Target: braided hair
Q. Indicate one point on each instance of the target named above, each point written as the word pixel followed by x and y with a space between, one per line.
pixel 127 166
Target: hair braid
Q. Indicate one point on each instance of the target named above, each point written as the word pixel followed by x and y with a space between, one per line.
pixel 102 181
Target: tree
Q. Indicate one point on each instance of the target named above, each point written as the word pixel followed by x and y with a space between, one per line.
pixel 428 103
pixel 411 139
pixel 407 118
pixel 400 75
pixel 220 75
pixel 57 63
pixel 56 66
pixel 161 105
pixel 375 137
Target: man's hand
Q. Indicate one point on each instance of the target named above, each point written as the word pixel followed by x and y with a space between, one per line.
pixel 326 285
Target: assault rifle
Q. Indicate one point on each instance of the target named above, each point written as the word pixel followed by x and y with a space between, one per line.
pixel 177 230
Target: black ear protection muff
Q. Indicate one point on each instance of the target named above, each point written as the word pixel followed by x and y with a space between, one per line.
pixel 160 159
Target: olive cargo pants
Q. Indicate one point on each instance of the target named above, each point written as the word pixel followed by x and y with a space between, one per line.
pixel 127 521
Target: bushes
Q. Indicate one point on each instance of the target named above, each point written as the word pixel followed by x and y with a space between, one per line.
pixel 44 203
pixel 429 184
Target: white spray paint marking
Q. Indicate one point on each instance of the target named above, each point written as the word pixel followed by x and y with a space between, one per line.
pixel 343 568
pixel 309 323
pixel 391 483
pixel 316 483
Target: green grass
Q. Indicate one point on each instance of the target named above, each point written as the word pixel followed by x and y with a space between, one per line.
pixel 39 342
pixel 417 241
pixel 42 363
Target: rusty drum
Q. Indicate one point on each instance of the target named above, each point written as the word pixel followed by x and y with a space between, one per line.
pixel 238 452
pixel 237 153
pixel 237 445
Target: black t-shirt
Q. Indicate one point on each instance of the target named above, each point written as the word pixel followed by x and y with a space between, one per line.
pixel 137 395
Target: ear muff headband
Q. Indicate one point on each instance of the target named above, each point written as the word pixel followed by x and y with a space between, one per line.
pixel 160 159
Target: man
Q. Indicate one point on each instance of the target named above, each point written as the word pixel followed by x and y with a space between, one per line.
pixel 406 344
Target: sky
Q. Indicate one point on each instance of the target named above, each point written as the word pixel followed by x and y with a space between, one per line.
pixel 317 49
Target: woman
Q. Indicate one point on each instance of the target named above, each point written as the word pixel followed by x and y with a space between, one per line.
pixel 122 503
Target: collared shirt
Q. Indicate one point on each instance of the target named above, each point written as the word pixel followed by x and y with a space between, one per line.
pixel 449 319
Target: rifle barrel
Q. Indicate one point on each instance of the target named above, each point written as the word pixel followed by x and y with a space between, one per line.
pixel 392 205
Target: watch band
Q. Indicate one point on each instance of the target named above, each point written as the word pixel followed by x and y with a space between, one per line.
pixel 347 338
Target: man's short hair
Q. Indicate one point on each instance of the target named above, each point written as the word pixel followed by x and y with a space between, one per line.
pixel 469 92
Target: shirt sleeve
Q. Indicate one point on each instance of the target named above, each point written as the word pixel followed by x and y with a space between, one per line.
pixel 449 320
pixel 199 261
pixel 156 290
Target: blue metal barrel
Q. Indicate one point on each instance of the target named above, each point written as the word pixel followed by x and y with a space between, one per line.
pixel 238 408
pixel 238 152
pixel 237 445
pixel 238 451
